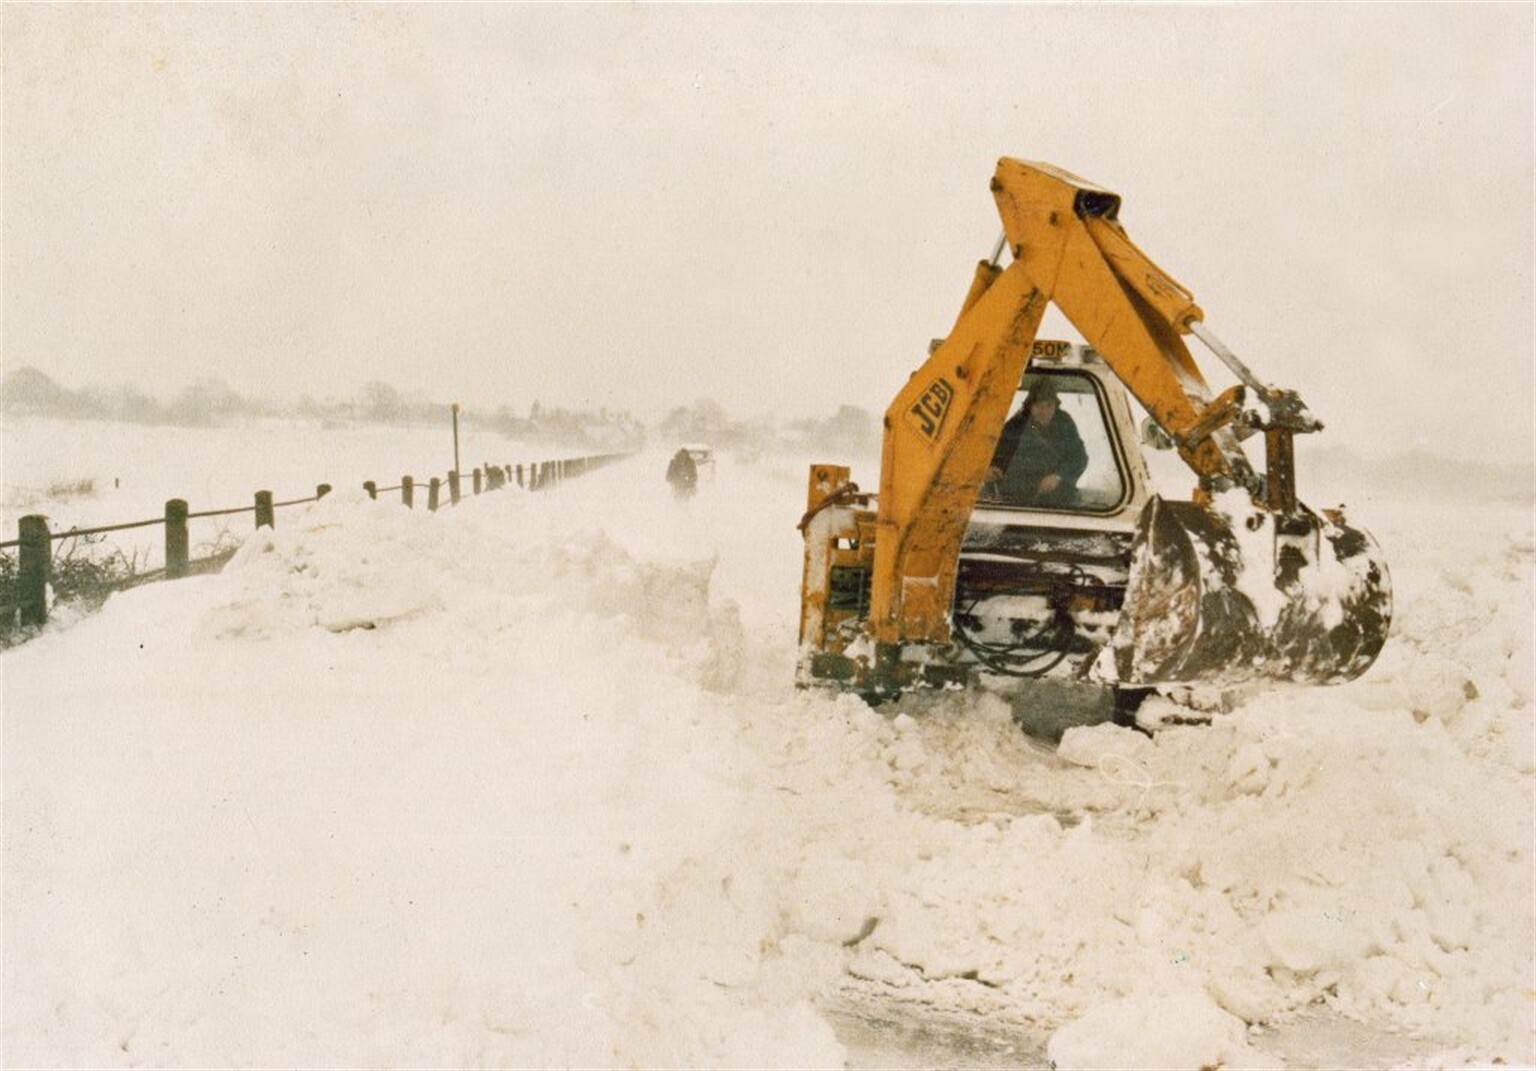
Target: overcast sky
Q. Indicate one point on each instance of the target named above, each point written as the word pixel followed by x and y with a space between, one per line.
pixel 638 206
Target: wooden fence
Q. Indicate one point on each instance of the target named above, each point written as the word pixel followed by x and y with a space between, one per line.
pixel 34 541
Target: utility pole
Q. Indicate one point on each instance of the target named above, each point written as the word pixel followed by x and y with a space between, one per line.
pixel 455 437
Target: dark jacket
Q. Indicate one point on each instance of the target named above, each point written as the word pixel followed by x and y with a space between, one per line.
pixel 1027 453
pixel 681 471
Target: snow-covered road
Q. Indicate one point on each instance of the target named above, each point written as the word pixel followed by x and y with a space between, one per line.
pixel 527 783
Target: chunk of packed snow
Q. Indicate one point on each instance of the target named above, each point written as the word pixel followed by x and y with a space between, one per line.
pixel 1169 1031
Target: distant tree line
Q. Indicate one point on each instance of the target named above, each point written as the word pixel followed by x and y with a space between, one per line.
pixel 28 391
pixel 850 430
pixel 208 402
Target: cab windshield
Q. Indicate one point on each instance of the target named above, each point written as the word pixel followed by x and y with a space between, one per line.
pixel 1055 450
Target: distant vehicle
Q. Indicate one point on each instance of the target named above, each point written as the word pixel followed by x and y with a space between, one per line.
pixel 703 458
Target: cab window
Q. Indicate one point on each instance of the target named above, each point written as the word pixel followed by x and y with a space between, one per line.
pixel 1056 450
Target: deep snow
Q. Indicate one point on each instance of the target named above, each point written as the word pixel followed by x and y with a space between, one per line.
pixel 527 783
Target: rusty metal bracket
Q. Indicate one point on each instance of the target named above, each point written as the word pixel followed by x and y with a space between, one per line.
pixel 1217 415
pixel 846 494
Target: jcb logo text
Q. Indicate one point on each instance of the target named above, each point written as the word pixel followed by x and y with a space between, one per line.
pixel 929 410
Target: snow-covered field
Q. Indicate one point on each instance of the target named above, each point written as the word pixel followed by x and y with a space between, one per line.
pixel 526 783
pixel 86 474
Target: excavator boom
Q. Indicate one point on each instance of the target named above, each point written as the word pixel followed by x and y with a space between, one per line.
pixel 1069 248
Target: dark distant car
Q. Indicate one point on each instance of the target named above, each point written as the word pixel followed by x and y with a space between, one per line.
pixel 703 458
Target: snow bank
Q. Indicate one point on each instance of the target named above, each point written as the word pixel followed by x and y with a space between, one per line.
pixel 394 788
pixel 526 783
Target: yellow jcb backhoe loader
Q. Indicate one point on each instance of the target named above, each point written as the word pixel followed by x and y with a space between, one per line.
pixel 997 547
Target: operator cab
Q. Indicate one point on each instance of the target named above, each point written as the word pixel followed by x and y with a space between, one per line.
pixel 1067 455
pixel 1058 449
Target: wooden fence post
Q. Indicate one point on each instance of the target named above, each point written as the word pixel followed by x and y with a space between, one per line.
pixel 453 487
pixel 34 563
pixel 432 494
pixel 372 489
pixel 519 475
pixel 477 481
pixel 176 543
pixel 264 518
pixel 407 489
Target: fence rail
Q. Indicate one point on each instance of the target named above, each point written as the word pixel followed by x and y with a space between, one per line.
pixel 34 541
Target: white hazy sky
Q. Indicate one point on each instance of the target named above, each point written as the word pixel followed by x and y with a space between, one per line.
pixel 776 206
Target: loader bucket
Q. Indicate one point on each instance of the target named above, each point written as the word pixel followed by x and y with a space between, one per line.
pixel 1228 594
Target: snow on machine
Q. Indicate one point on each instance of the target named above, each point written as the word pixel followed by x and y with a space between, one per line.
pixel 999 546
